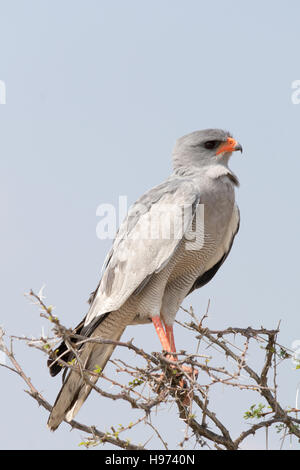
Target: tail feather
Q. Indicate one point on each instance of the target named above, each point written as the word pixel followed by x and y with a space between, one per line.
pixel 92 355
pixel 62 352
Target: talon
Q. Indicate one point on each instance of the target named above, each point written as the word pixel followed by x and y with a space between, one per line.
pixel 191 371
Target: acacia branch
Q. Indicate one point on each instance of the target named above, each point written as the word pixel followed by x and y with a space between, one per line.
pixel 161 380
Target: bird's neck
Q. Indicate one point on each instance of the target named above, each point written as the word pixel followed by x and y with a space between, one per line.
pixel 211 171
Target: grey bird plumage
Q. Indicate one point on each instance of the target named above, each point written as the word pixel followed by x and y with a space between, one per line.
pixel 147 274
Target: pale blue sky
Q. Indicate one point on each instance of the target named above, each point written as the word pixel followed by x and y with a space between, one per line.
pixel 97 93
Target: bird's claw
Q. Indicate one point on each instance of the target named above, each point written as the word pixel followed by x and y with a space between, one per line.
pixel 190 371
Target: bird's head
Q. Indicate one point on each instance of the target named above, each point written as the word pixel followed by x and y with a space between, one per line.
pixel 203 148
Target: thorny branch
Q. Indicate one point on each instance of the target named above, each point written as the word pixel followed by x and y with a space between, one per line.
pixel 158 382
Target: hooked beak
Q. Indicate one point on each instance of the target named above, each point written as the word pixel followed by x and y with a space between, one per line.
pixel 231 145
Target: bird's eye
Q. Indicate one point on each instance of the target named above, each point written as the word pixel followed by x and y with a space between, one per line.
pixel 211 144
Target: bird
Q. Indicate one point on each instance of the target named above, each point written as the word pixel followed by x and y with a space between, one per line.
pixel 173 240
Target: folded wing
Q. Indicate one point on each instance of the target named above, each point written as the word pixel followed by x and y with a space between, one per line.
pixel 145 242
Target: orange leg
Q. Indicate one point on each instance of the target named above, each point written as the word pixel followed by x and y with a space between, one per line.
pixel 166 340
pixel 166 337
pixel 170 336
pixel 161 333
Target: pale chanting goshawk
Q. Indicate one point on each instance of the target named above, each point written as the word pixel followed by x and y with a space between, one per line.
pixel 147 277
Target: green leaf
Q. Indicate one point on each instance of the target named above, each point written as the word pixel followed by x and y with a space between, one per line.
pixel 256 411
pixel 98 370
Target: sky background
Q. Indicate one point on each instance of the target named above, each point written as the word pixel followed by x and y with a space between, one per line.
pixel 96 94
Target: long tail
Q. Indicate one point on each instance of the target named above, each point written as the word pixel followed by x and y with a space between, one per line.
pixel 92 355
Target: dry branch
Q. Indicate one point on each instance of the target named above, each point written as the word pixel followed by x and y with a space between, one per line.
pixel 158 381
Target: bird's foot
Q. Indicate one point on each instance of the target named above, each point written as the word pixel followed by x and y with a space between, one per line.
pixel 190 371
pixel 178 371
pixel 186 392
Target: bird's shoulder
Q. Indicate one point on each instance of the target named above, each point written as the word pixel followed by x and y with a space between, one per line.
pixel 176 190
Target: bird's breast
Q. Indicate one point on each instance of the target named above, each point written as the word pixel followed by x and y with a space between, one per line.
pixel 206 234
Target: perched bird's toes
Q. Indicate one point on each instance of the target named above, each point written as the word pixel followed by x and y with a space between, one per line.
pixel 193 373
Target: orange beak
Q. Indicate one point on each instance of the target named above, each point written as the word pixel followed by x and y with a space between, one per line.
pixel 231 145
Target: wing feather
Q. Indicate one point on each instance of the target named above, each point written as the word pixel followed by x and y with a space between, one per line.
pixel 145 242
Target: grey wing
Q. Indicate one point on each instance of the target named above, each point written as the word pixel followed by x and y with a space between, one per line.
pixel 221 253
pixel 145 242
